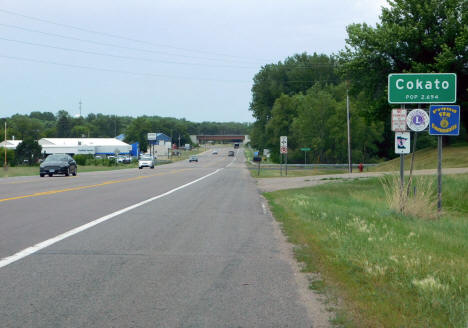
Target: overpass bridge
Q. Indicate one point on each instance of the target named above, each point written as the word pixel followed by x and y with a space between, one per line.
pixel 225 138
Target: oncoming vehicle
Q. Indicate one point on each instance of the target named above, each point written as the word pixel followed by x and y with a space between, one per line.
pixel 215 152
pixel 231 153
pixel 146 161
pixel 58 164
pixel 193 158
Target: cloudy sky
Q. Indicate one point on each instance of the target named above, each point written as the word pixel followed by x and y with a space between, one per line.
pixel 192 59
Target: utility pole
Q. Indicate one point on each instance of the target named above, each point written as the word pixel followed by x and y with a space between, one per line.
pixel 350 168
pixel 5 158
pixel 179 140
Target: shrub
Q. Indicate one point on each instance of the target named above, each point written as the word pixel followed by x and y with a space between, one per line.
pixel 82 159
pixel 417 199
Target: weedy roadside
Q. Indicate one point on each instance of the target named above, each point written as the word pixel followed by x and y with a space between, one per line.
pixel 389 269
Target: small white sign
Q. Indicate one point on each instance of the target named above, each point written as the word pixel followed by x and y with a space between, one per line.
pixel 399 120
pixel 283 141
pixel 283 150
pixel 417 120
pixel 402 142
pixel 151 136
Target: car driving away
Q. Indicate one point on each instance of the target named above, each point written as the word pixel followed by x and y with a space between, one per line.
pixel 231 153
pixel 193 158
pixel 58 164
pixel 146 161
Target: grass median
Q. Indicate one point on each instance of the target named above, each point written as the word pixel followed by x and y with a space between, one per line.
pixel 17 171
pixel 389 270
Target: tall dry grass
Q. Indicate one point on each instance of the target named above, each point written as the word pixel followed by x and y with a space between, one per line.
pixel 417 197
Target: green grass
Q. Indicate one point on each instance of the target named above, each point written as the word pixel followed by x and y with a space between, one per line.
pixel 455 156
pixel 34 170
pixel 389 270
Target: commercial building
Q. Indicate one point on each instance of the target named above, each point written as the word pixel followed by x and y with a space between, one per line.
pixel 10 144
pixel 94 146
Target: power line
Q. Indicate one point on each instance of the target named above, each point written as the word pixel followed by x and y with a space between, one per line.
pixel 112 44
pixel 121 71
pixel 120 37
pixel 119 56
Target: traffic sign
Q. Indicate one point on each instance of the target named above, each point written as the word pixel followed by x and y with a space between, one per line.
pixel 305 149
pixel 444 120
pixel 283 150
pixel 398 119
pixel 422 88
pixel 284 141
pixel 417 120
pixel 151 136
pixel 402 142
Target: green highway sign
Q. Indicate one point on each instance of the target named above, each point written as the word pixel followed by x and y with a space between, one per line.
pixel 422 88
pixel 305 149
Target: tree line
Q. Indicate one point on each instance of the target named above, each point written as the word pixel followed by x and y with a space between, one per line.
pixel 39 125
pixel 304 96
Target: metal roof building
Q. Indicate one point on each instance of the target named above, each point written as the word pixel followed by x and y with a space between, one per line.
pixel 10 144
pixel 95 146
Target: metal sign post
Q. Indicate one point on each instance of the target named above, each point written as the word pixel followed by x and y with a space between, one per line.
pixel 439 173
pixel 286 164
pixel 284 150
pixel 444 120
pixel 417 120
pixel 281 164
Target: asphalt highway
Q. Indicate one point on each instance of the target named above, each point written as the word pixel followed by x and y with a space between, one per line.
pixel 183 245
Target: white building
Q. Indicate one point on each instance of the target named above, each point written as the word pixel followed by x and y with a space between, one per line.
pixel 10 144
pixel 94 146
pixel 162 148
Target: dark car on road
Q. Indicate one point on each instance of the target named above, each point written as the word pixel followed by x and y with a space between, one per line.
pixel 231 153
pixel 58 164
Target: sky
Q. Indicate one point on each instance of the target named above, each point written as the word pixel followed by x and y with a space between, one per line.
pixel 174 58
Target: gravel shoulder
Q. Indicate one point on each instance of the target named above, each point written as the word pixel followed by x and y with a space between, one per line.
pixel 273 184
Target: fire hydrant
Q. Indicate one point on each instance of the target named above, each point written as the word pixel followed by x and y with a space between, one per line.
pixel 361 167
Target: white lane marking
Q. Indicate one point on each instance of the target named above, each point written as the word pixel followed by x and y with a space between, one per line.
pixel 33 249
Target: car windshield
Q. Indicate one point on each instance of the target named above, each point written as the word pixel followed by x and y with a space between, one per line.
pixel 146 158
pixel 56 158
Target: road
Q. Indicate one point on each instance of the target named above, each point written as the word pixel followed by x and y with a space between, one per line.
pixel 183 245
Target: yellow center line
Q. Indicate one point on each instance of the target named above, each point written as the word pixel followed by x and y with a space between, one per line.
pixel 51 192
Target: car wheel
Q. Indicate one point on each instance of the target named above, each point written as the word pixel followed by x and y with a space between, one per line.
pixel 41 175
pixel 140 167
pixel 152 167
pixel 67 173
pixel 50 174
pixel 74 172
